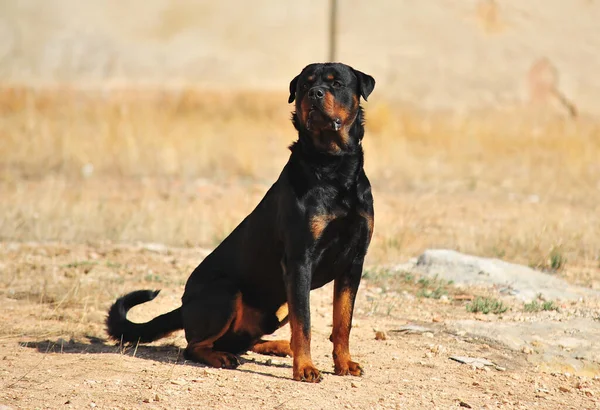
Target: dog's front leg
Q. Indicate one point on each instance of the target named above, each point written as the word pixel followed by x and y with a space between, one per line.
pixel 298 276
pixel 345 288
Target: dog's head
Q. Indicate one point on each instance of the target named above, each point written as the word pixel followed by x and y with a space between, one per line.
pixel 328 104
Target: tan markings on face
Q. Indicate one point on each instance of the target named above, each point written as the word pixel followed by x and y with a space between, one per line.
pixel 304 109
pixel 311 78
pixel 318 223
pixel 346 115
pixel 329 77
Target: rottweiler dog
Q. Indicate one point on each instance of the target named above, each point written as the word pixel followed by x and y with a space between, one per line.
pixel 313 226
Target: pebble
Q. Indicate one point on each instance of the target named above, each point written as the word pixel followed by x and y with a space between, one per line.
pixel 379 335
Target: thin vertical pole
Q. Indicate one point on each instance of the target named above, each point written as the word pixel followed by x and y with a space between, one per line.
pixel 333 11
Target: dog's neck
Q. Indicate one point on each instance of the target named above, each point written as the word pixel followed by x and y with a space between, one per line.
pixel 340 167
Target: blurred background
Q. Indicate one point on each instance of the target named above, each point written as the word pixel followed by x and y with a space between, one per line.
pixel 167 120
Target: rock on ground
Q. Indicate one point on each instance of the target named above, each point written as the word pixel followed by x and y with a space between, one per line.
pixel 516 280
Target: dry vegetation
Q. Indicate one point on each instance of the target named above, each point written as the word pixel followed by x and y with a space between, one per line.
pixel 92 173
pixel 183 168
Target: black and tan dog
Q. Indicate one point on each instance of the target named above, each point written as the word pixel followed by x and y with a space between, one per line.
pixel 313 226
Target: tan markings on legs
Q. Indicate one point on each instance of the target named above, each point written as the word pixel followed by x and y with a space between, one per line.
pixel 201 351
pixel 282 314
pixel 212 358
pixel 273 347
pixel 304 369
pixel 247 319
pixel 342 322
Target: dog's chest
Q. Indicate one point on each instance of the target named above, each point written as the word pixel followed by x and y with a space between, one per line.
pixel 340 238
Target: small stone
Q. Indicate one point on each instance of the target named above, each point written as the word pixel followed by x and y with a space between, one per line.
pixel 355 384
pixel 428 335
pixel 500 368
pixel 92 405
pixel 564 389
pixel 147 400
pixel 379 335
pixel 436 319
pixel 156 398
pixel 527 350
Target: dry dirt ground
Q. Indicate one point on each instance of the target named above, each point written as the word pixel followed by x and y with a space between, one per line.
pixel 80 168
pixel 54 353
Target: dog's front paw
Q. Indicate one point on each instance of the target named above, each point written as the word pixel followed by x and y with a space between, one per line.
pixel 348 368
pixel 307 372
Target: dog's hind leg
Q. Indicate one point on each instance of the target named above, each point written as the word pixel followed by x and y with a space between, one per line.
pixel 275 347
pixel 207 316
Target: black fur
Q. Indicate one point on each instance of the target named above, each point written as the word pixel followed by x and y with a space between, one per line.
pixel 313 226
pixel 129 332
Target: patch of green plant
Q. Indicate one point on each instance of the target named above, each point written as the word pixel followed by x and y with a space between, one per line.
pixel 435 293
pixel 539 304
pixel 153 277
pixel 557 259
pixel 78 264
pixel 486 305
pixel 113 265
pixel 554 261
pixel 533 306
pixel 549 305
pixel 433 288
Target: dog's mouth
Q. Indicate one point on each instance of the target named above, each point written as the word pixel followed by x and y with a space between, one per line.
pixel 318 120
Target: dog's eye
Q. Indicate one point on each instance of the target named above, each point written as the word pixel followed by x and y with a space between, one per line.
pixel 304 86
pixel 337 84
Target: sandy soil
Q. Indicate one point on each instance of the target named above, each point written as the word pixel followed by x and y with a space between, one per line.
pixel 54 353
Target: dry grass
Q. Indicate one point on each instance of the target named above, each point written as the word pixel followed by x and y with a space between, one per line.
pixel 185 167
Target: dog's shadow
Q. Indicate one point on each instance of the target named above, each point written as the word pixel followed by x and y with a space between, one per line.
pixel 169 353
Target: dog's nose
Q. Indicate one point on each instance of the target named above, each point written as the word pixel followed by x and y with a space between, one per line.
pixel 316 93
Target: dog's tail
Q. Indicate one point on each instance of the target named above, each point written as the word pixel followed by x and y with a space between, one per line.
pixel 121 329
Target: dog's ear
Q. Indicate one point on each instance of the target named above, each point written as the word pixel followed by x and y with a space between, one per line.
pixel 366 83
pixel 293 85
